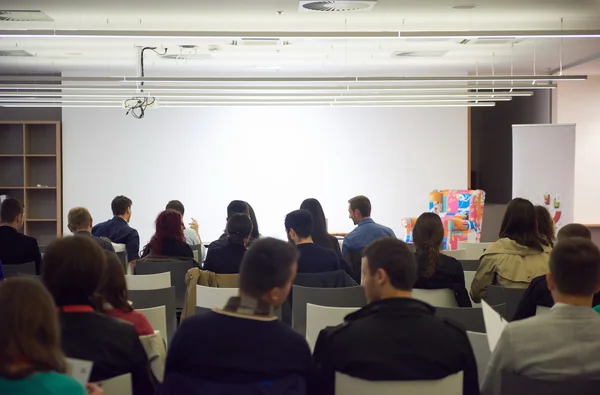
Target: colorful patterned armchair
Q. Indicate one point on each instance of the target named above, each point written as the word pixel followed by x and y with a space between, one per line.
pixel 461 213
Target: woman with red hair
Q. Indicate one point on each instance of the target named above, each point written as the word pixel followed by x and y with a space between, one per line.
pixel 168 240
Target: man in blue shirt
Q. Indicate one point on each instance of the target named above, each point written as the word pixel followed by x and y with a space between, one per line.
pixel 118 230
pixel 367 230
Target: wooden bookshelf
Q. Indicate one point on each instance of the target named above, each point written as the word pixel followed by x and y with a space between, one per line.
pixel 31 171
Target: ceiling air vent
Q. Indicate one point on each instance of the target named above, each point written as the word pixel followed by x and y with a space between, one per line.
pixel 15 52
pixel 24 16
pixel 336 6
pixel 419 54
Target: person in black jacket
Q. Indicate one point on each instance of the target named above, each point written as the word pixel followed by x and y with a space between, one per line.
pixel 73 271
pixel 15 247
pixel 436 270
pixel 117 228
pixel 169 240
pixel 320 235
pixel 394 337
pixel 80 223
pixel 226 257
pixel 538 294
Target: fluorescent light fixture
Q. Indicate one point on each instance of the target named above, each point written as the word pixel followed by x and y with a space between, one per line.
pixel 275 104
pixel 321 101
pixel 316 35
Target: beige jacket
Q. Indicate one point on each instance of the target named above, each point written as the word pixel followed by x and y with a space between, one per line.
pixel 195 277
pixel 510 265
pixel 155 348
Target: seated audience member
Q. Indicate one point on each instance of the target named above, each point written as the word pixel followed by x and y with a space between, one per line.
pixel 235 207
pixel 313 258
pixel 436 270
pixel 546 227
pixel 31 361
pixel 226 258
pixel 394 337
pixel 116 303
pixel 118 230
pixel 15 247
pixel 192 235
pixel 255 235
pixel 168 239
pixel 80 224
pixel 73 270
pixel 320 235
pixel 538 293
pixel 245 342
pixel 562 343
pixel 367 230
pixel 518 257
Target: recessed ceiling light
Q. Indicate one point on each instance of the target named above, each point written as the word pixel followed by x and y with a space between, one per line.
pixel 464 7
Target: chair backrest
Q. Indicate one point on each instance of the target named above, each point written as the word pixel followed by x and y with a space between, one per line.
pixel 213 297
pixel 456 254
pixel 436 297
pixel 157 317
pixel 121 251
pixel 196 250
pixel 470 318
pixel 144 299
pixel 120 385
pixel 332 297
pixel 137 282
pixel 513 384
pixel 320 317
pixel 481 349
pixel 474 251
pixel 178 270
pixel 22 268
pixel 541 310
pixel 511 296
pixel 348 385
pixel 470 265
pixel 469 276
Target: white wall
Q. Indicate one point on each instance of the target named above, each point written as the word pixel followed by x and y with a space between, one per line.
pixel 579 103
pixel 271 157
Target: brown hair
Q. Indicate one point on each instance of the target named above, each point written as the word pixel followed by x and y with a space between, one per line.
pixel 362 204
pixel 575 267
pixel 545 225
pixel 574 230
pixel 29 329
pixel 79 218
pixel 520 224
pixel 114 290
pixel 428 236
pixel 394 257
pixel 73 271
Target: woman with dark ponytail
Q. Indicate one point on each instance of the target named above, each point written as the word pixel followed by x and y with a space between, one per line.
pixel 227 257
pixel 436 270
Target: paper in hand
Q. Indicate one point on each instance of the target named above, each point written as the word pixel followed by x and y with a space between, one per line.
pixel 494 324
pixel 79 369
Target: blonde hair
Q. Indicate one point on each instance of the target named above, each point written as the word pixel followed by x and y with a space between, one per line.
pixel 79 218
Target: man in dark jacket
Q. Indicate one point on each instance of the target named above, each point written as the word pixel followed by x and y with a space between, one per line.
pixel 118 230
pixel 15 247
pixel 80 223
pixel 394 337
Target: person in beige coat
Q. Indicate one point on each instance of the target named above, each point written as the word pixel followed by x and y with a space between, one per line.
pixel 517 257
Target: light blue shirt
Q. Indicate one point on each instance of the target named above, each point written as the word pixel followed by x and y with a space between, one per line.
pixel 46 383
pixel 366 232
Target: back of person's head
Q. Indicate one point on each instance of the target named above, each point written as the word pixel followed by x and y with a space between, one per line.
pixel 255 233
pixel 29 330
pixel 169 225
pixel 73 271
pixel 574 230
pixel 268 269
pixel 299 225
pixel 175 205
pixel 11 211
pixel 520 224
pixel 428 236
pixel 120 205
pixel 575 268
pixel 237 207
pixel 239 228
pixel 79 218
pixel 114 289
pixel 387 266
pixel 320 235
pixel 545 224
pixel 362 204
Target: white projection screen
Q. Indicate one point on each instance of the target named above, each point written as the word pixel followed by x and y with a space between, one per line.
pixel 272 157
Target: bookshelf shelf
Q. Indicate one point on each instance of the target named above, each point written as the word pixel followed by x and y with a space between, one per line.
pixel 30 170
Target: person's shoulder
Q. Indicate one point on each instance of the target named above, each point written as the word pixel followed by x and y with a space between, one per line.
pixel 59 384
pixel 450 261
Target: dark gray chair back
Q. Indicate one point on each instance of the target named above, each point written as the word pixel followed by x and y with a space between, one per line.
pixel 331 297
pixel 513 384
pixel 178 269
pixel 144 299
pixel 122 255
pixel 198 249
pixel 470 318
pixel 22 268
pixel 470 265
pixel 511 296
